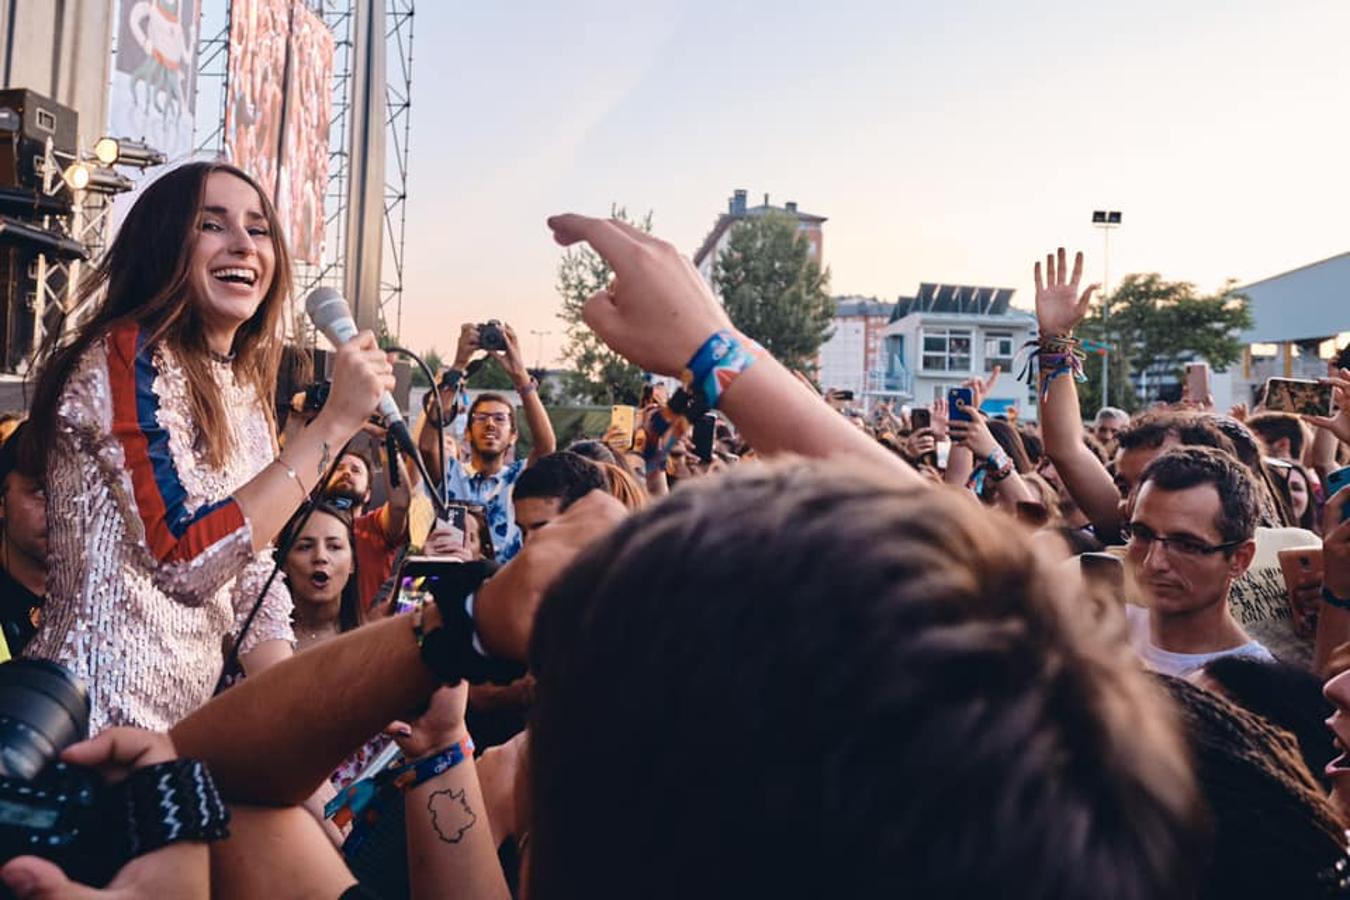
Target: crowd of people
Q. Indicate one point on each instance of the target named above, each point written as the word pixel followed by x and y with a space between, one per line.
pixel 821 651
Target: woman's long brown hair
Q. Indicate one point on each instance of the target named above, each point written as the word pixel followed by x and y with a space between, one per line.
pixel 147 276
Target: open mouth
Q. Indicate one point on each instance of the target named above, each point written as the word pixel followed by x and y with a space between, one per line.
pixel 236 275
pixel 1340 765
pixel 320 579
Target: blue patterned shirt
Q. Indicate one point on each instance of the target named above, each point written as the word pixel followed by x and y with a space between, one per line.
pixel 494 493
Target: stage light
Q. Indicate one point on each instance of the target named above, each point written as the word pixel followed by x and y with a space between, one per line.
pixel 76 176
pixel 104 180
pixel 106 150
pixel 123 152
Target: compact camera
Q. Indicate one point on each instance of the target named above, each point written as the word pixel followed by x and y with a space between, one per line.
pixel 490 336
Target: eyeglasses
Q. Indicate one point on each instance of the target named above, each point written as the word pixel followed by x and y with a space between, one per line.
pixel 494 418
pixel 1143 537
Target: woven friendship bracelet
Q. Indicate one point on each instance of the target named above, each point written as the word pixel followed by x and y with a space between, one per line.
pixel 171 802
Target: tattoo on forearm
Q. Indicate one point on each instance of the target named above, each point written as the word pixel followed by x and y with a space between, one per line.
pixel 325 457
pixel 450 815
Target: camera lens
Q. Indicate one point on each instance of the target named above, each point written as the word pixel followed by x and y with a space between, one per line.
pixel 43 710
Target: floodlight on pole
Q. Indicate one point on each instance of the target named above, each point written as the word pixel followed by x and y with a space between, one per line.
pixel 1106 219
pixel 539 354
pixel 120 151
pixel 76 176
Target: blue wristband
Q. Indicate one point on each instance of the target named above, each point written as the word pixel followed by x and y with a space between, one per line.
pixel 714 366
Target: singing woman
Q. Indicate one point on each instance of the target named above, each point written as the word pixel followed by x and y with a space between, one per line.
pixel 155 426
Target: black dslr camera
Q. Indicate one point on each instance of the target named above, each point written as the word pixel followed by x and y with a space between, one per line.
pixel 63 813
pixel 490 336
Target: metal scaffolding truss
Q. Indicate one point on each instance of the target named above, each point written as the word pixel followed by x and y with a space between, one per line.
pixel 340 17
pixel 398 125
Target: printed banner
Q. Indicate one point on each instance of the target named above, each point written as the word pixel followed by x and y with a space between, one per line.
pixel 154 80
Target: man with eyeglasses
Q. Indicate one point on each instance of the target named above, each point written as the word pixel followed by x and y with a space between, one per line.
pixel 1191 533
pixel 490 434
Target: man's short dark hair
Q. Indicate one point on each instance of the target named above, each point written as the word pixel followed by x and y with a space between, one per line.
pixel 1189 429
pixel 889 676
pixel 489 397
pixel 593 450
pixel 19 454
pixel 1275 425
pixel 564 475
pixel 1186 467
pixel 365 460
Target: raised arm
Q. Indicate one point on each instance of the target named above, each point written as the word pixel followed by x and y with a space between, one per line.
pixel 541 429
pixel 658 312
pixel 1059 309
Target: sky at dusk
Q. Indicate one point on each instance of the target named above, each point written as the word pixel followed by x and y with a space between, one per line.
pixel 945 142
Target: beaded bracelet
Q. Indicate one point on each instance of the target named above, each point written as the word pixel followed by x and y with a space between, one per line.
pixel 714 366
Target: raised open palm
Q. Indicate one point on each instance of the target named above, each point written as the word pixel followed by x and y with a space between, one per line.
pixel 1059 306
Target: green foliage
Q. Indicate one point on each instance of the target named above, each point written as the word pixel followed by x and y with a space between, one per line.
pixel 598 374
pixel 490 377
pixel 773 291
pixel 434 362
pixel 1158 326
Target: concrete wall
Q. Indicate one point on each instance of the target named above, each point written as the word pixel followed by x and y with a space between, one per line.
pixel 62 49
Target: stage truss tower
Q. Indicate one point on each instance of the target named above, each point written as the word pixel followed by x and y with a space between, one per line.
pixel 339 16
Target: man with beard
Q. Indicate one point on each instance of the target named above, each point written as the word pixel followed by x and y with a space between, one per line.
pixel 488 479
pixel 380 533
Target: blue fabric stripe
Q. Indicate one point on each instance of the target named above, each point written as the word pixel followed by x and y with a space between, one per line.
pixel 157 438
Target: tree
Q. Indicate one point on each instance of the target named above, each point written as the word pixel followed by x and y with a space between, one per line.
pixel 773 291
pixel 598 374
pixel 434 362
pixel 490 376
pixel 1154 328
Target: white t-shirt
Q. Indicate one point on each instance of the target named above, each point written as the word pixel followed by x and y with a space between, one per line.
pixel 1180 664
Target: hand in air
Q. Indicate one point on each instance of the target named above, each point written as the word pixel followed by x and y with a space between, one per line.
pixel 361 375
pixel 1338 424
pixel 1059 306
pixel 658 311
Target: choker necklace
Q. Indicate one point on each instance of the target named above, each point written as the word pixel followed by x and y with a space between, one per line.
pixel 223 358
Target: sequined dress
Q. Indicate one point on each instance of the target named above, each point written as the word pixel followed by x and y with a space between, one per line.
pixel 151 562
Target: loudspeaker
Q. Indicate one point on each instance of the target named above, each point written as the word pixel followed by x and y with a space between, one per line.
pixel 40 118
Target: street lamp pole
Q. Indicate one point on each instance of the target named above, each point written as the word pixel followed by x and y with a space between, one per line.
pixel 539 353
pixel 1106 220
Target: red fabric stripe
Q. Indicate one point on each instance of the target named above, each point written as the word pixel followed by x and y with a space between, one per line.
pixel 206 531
pixel 126 428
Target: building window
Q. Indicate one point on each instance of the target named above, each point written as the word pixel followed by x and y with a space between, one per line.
pixel 946 349
pixel 998 350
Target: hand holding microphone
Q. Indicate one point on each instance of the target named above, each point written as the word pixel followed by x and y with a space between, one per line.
pixel 362 374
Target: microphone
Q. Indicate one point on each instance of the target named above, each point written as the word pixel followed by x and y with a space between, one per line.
pixel 330 314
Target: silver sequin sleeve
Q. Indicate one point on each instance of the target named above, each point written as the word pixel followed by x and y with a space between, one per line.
pixel 146 634
pixel 273 622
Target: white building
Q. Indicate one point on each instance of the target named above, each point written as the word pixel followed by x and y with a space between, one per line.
pixel 808 226
pixel 855 348
pixel 948 334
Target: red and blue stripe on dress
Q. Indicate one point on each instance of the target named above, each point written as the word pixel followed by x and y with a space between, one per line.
pixel 172 532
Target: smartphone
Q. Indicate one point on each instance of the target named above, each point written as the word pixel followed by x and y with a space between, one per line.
pixel 1302 571
pixel 921 418
pixel 621 421
pixel 955 397
pixel 457 523
pixel 419 579
pixel 1197 381
pixel 1335 481
pixel 705 429
pixel 1297 395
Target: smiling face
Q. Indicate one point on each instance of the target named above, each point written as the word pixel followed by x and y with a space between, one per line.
pixel 233 260
pixel 320 561
pixel 490 431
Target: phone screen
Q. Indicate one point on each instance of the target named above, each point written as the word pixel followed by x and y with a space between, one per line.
pixel 704 431
pixel 1197 381
pixel 921 418
pixel 1296 395
pixel 417 582
pixel 1335 481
